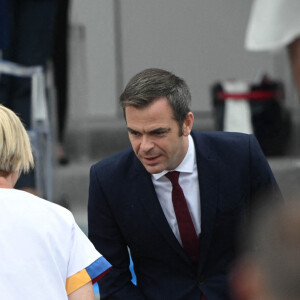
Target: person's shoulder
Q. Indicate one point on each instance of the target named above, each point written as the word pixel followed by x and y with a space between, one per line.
pixel 54 208
pixel 221 136
pixel 223 144
pixel 40 209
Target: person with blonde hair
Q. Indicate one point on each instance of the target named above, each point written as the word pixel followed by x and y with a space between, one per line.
pixel 15 155
pixel 44 254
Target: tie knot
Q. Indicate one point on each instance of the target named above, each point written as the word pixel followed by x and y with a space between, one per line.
pixel 173 176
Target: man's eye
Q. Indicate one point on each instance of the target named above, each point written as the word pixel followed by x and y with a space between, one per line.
pixel 134 133
pixel 159 133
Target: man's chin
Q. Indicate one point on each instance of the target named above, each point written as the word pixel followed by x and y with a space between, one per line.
pixel 154 169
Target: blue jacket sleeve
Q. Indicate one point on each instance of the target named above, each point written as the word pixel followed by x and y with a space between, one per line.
pixel 106 235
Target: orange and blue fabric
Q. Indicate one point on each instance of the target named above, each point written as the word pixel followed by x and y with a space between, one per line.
pixel 93 272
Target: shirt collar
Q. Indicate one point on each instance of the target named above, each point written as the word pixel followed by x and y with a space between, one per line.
pixel 186 166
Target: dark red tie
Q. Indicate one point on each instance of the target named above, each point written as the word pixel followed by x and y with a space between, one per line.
pixel 188 235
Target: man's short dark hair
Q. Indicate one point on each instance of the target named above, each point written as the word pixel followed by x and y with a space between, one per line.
pixel 149 85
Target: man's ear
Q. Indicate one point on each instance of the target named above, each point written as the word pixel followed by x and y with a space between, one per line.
pixel 188 124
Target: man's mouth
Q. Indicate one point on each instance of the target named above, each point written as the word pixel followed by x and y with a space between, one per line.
pixel 151 159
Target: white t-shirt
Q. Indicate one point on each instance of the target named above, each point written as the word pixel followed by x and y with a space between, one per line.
pixel 43 252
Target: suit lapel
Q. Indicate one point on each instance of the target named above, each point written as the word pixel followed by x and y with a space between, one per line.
pixel 147 196
pixel 208 176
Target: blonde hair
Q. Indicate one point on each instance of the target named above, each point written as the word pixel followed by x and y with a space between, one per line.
pixel 15 149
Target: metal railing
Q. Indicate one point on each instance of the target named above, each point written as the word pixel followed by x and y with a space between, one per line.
pixel 40 129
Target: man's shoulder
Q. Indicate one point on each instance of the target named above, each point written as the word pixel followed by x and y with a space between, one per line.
pixel 220 136
pixel 223 143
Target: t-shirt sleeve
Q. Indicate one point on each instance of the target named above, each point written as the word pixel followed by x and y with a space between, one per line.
pixel 85 263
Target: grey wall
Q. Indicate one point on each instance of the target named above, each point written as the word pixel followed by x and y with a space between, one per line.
pixel 200 40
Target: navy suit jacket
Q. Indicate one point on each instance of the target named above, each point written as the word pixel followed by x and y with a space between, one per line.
pixel 124 212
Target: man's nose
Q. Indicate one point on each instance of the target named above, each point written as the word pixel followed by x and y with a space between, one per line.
pixel 146 144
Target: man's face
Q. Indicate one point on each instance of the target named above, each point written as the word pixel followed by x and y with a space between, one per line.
pixel 154 135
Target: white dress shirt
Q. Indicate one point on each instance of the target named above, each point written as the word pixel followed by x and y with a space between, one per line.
pixel 188 180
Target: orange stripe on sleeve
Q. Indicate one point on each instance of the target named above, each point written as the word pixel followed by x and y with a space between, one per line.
pixel 77 280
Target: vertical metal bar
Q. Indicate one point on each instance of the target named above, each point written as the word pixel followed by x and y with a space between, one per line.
pixel 118 48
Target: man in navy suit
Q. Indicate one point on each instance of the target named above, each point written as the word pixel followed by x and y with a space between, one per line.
pixel 131 197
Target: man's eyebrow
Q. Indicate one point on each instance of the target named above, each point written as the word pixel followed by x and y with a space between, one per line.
pixel 131 130
pixel 160 129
